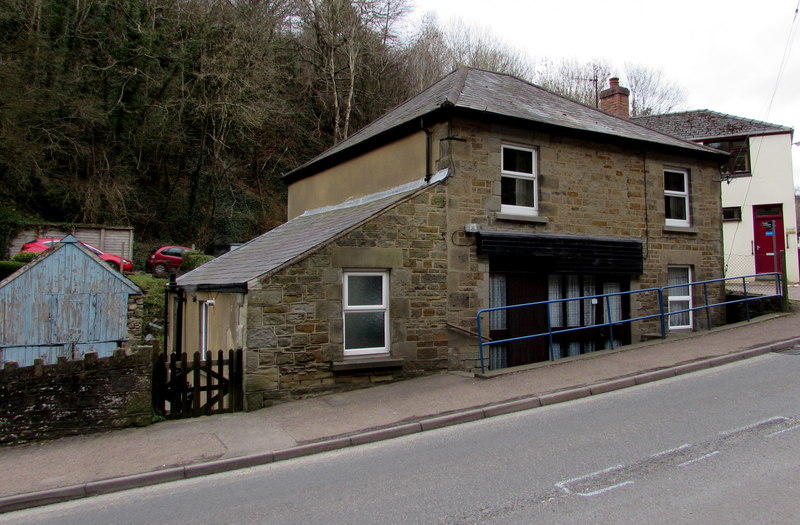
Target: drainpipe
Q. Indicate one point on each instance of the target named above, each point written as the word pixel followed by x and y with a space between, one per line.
pixel 177 331
pixel 428 134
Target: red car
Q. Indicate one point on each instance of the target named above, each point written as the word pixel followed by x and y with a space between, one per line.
pixel 165 259
pixel 40 245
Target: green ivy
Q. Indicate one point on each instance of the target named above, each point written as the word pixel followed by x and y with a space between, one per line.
pixel 11 224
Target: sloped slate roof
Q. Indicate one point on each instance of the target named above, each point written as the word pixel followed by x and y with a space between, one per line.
pixel 501 95
pixel 299 236
pixel 703 124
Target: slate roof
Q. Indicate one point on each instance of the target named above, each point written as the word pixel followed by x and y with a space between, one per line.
pixel 294 239
pixel 703 124
pixel 495 94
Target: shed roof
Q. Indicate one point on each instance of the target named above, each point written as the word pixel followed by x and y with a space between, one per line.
pixel 294 239
pixel 484 93
pixel 703 124
pixel 71 243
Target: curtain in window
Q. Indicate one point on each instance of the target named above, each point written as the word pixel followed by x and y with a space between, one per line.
pixel 497 298
pixel 573 307
pixel 498 354
pixel 613 312
pixel 554 293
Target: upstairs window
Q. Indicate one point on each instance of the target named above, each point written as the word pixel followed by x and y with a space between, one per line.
pixel 366 319
pixel 732 213
pixel 518 181
pixel 676 197
pixel 739 163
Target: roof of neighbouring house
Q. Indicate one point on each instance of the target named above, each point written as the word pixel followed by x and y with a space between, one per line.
pixel 295 239
pixel 484 93
pixel 703 124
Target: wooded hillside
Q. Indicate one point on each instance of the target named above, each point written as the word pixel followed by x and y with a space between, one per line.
pixel 178 117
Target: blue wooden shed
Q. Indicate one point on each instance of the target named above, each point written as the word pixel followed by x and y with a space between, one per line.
pixel 66 302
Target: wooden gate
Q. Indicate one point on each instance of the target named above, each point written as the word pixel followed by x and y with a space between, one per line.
pixel 200 387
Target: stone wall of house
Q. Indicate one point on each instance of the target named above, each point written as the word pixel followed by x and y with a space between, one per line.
pixel 75 397
pixel 586 188
pixel 295 326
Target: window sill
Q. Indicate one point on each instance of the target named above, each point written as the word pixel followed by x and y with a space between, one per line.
pixel 366 363
pixel 681 229
pixel 538 219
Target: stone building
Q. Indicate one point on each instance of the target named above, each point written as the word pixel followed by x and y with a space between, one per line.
pixel 481 191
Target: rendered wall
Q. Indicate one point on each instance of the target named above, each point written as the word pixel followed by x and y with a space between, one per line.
pixel 397 163
pixel 771 183
pixel 224 321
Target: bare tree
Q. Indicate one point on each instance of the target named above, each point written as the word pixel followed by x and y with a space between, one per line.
pixel 435 50
pixel 651 92
pixel 476 46
pixel 580 81
pixel 337 36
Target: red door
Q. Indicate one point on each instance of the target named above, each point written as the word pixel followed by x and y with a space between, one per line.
pixel 768 240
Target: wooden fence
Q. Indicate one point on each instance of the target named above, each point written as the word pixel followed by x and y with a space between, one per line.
pixel 184 388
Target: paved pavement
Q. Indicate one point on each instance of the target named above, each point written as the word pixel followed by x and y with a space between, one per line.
pixel 83 466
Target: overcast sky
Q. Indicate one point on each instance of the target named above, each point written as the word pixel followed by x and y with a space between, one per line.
pixel 727 55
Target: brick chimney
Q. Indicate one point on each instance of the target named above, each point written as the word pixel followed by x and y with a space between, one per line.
pixel 614 100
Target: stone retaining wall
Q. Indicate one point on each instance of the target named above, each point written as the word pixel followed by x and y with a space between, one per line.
pixel 75 397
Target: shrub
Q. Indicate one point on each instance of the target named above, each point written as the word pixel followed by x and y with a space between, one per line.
pixel 192 259
pixel 25 257
pixel 9 267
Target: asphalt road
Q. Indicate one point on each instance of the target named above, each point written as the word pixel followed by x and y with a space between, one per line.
pixel 718 446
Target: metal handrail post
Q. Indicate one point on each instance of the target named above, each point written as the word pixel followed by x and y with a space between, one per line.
pixel 708 309
pixel 480 342
pixel 784 282
pixel 610 321
pixel 746 302
pixel 549 332
pixel 661 312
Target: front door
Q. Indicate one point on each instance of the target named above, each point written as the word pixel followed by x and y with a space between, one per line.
pixel 768 240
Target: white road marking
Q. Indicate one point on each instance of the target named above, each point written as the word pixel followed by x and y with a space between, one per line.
pixel 601 491
pixel 782 431
pixel 671 451
pixel 754 425
pixel 699 459
pixel 561 484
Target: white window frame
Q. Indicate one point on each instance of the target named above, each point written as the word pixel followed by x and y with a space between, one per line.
pixel 678 194
pixel 383 307
pixel 672 298
pixel 515 209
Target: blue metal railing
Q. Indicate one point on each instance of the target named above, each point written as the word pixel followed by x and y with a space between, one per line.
pixel 610 322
